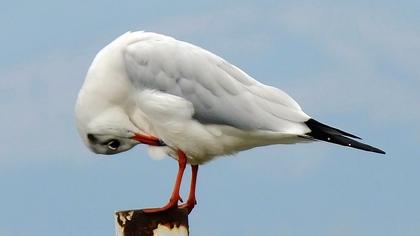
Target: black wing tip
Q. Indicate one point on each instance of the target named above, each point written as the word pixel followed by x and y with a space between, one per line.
pixel 333 135
pixel 318 125
pixel 369 148
pixel 377 150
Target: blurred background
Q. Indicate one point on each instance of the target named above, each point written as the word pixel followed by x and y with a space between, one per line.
pixel 353 65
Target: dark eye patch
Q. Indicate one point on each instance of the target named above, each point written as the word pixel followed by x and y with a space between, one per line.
pixel 92 138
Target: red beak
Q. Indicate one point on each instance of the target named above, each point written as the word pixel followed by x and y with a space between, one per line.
pixel 149 140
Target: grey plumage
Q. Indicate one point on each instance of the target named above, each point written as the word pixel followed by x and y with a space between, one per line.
pixel 219 92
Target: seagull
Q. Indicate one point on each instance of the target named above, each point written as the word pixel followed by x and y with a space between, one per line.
pixel 188 103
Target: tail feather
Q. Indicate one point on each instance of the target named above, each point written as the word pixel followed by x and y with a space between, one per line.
pixel 329 134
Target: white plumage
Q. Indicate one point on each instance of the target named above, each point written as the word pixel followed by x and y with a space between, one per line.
pixel 191 99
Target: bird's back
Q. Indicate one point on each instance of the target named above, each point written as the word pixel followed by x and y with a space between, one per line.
pixel 220 92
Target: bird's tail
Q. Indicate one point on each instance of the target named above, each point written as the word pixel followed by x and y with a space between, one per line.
pixel 329 134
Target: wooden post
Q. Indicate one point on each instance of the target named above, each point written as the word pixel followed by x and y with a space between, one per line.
pixel 173 222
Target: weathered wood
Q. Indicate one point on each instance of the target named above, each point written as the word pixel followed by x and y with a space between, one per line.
pixel 173 222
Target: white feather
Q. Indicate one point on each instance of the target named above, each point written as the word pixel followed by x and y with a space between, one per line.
pixel 157 153
pixel 190 98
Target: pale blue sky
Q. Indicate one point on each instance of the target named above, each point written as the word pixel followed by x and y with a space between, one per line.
pixel 354 65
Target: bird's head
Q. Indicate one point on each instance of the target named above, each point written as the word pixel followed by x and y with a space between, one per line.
pixel 111 131
pixel 107 132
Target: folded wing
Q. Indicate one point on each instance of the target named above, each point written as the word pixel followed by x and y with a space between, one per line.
pixel 219 92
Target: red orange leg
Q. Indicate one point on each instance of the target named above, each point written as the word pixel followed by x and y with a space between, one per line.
pixel 191 202
pixel 175 197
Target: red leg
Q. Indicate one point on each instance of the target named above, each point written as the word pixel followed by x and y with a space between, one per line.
pixel 173 201
pixel 191 202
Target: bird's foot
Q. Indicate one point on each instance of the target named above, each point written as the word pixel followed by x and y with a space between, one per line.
pixel 173 203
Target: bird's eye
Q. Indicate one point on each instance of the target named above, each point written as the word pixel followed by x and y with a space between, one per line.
pixel 113 144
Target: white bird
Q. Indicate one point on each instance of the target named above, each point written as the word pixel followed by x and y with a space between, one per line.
pixel 188 103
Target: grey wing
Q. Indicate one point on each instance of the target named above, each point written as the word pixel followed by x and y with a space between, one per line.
pixel 220 92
